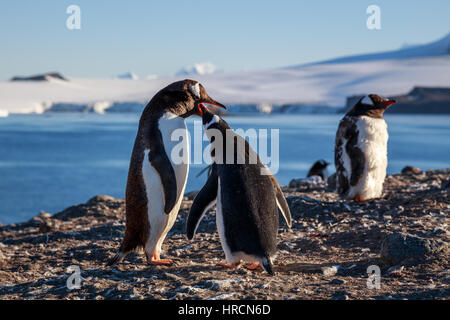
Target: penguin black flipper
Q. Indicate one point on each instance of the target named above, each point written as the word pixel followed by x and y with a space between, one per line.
pixel 160 161
pixel 357 160
pixel 346 141
pixel 281 202
pixel 202 203
pixel 342 185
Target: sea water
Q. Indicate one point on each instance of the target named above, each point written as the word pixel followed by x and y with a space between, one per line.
pixel 51 161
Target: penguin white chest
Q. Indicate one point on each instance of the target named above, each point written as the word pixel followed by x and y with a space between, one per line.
pixel 176 144
pixel 372 141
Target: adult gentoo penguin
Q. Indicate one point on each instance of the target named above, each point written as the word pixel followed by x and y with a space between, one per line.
pixel 156 182
pixel 360 153
pixel 319 168
pixel 247 197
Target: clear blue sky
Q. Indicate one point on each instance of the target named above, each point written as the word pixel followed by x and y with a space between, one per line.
pixel 160 37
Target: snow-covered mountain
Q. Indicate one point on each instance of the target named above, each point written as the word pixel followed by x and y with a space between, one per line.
pixel 197 69
pixel 127 75
pixel 440 47
pixel 297 88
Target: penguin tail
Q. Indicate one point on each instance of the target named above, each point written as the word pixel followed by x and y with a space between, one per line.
pixel 129 243
pixel 267 265
pixel 117 258
pixel 123 251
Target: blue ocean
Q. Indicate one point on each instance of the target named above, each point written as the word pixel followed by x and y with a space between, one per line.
pixel 51 161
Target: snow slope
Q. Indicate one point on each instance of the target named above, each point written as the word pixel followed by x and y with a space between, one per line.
pixel 326 83
pixel 127 75
pixel 433 49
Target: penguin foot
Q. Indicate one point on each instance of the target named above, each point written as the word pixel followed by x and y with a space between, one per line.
pixel 164 262
pixel 254 267
pixel 358 198
pixel 155 259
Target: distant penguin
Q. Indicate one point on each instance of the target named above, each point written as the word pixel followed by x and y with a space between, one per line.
pixel 247 198
pixel 156 181
pixel 360 153
pixel 319 168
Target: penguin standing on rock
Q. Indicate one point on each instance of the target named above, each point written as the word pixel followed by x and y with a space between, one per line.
pixel 247 198
pixel 156 178
pixel 360 153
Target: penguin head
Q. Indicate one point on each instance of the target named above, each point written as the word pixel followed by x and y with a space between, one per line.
pixel 320 164
pixel 371 105
pixel 212 121
pixel 183 98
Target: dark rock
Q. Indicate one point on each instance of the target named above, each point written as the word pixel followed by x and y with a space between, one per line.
pixel 446 184
pixel 403 249
pixel 100 198
pixel 40 77
pixel 97 206
pixel 420 100
pixel 411 170
pixel 337 281
pixel 340 295
pixel 423 100
pixel 45 227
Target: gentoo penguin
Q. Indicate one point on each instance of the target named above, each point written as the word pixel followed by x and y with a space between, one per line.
pixel 360 153
pixel 319 168
pixel 247 198
pixel 156 181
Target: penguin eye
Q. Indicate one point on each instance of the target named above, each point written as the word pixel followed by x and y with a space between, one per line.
pixel 195 90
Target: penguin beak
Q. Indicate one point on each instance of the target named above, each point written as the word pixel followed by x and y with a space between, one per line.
pixel 200 109
pixel 200 106
pixel 213 102
pixel 387 103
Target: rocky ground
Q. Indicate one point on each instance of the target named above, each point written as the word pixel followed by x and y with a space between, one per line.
pixel 325 256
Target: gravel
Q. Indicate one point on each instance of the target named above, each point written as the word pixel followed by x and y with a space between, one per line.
pixel 325 256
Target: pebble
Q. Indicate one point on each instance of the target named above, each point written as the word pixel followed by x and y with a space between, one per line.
pixel 431 286
pixel 340 295
pixel 330 271
pixel 223 296
pixel 396 271
pixel 337 281
pixel 217 285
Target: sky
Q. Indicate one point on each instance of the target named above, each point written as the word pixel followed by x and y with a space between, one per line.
pixel 161 37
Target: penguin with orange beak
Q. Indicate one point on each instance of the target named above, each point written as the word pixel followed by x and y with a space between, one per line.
pixel 156 182
pixel 360 153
